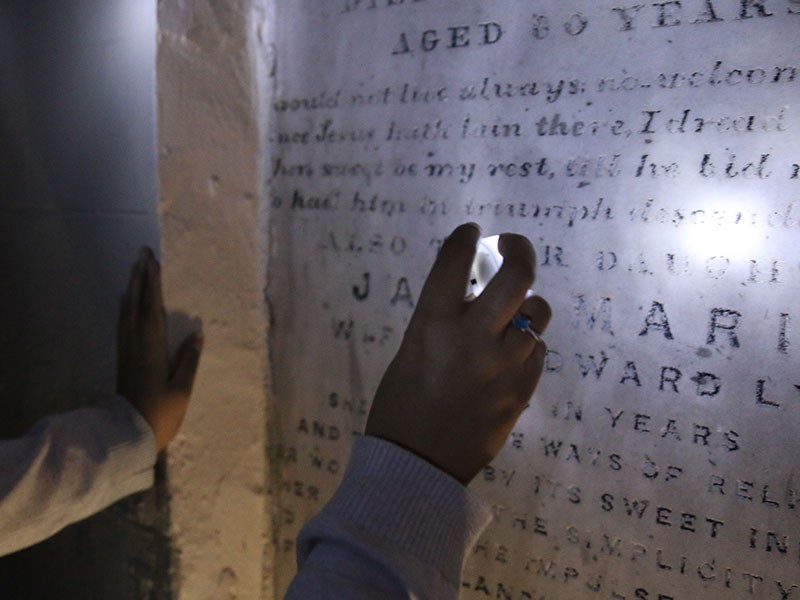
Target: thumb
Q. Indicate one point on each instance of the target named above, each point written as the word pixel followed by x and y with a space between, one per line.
pixel 185 365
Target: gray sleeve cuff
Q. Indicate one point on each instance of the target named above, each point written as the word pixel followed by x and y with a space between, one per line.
pixel 403 500
pixel 70 466
pixel 133 449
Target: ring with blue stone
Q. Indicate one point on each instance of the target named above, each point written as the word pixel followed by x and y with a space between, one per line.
pixel 523 323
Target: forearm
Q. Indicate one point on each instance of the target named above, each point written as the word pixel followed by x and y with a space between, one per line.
pixel 70 466
pixel 397 527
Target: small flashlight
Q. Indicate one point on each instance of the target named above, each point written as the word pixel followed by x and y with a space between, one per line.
pixel 486 264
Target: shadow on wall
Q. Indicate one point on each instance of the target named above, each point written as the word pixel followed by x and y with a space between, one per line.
pixel 78 166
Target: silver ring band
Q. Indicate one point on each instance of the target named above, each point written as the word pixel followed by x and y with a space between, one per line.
pixel 523 323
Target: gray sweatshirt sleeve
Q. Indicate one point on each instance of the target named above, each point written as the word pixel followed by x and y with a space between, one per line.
pixel 397 527
pixel 69 466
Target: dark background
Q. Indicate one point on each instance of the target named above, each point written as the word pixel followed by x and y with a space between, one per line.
pixel 79 196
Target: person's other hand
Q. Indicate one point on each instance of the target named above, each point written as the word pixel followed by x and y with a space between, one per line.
pixel 463 373
pixel 157 386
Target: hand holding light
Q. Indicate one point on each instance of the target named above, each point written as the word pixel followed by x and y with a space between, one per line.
pixel 464 373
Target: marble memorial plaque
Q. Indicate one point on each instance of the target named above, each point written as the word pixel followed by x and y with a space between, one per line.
pixel 650 151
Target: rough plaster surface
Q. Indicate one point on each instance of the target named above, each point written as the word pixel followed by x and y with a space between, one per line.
pixel 210 79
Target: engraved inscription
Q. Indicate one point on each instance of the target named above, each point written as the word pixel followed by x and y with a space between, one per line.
pixel 649 151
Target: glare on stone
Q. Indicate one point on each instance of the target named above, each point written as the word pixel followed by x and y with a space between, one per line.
pixel 708 237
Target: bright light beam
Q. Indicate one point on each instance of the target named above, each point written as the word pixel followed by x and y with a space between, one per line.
pixel 721 229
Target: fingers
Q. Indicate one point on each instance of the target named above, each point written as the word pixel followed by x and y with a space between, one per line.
pixel 522 343
pixel 144 375
pixel 501 299
pixel 132 300
pixel 446 284
pixel 152 319
pixel 151 298
pixel 186 361
pixel 538 311
pixel 128 323
pixel 527 350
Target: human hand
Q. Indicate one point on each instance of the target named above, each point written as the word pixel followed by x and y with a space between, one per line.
pixel 157 387
pixel 463 373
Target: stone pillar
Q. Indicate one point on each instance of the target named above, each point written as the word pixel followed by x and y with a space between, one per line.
pixel 211 87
